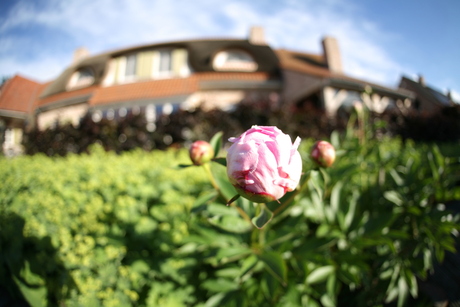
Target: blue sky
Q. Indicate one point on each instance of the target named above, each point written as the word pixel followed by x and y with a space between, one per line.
pixel 379 40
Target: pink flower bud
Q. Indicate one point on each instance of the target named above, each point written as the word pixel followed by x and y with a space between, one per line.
pixel 201 152
pixel 323 153
pixel 263 164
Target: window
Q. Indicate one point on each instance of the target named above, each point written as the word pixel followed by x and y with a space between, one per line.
pixel 162 63
pixel 234 60
pixel 81 78
pixel 130 70
pixel 165 62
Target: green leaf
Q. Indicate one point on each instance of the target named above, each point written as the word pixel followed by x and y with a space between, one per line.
pixel 219 285
pixel 215 300
pixel 335 139
pixel 403 291
pixel 349 216
pixel 394 197
pixel 200 202
pixel 221 161
pixel 233 253
pixel 145 225
pixel 216 143
pixel 320 274
pixel 140 266
pixel 264 217
pixel 247 265
pixel 313 245
pixel 396 177
pixel 376 224
pixel 327 301
pixel 36 297
pixel 30 278
pixel 230 223
pixel 219 174
pixel 335 197
pixel 275 265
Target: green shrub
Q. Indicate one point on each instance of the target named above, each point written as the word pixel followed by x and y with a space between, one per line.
pixel 135 230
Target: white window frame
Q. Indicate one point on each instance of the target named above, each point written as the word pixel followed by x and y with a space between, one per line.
pixel 76 81
pixel 222 61
pixel 158 58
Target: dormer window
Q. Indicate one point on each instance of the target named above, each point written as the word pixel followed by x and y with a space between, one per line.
pixel 147 64
pixel 81 78
pixel 234 60
pixel 131 65
pixel 162 63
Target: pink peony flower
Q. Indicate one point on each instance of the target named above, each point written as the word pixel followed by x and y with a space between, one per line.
pixel 323 153
pixel 263 164
pixel 201 152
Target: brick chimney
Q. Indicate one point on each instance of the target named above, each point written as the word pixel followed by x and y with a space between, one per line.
pixel 257 36
pixel 332 54
pixel 79 54
pixel 421 80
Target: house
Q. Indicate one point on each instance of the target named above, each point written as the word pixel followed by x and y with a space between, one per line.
pixel 213 73
pixel 427 99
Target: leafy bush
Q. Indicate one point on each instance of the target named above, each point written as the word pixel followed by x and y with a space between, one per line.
pixel 134 230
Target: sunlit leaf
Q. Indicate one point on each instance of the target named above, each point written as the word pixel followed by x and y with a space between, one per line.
pixel 219 285
pixel 320 274
pixel 221 179
pixel 216 143
pixel 264 217
pixel 394 197
pixel 230 223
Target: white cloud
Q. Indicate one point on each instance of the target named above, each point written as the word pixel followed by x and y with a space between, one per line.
pixel 455 96
pixel 46 69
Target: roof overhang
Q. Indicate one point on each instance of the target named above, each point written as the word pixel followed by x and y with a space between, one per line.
pixel 64 103
pixel 140 102
pixel 363 86
pixel 13 114
pixel 357 86
pixel 240 85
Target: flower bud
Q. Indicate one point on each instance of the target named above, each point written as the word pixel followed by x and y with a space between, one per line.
pixel 263 164
pixel 323 153
pixel 201 152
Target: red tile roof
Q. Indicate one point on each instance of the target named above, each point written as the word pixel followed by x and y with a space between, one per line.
pixel 166 87
pixel 66 95
pixel 19 94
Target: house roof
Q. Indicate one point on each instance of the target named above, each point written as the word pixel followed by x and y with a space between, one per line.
pixel 153 89
pixel 311 64
pixel 315 65
pixel 200 53
pixel 65 98
pixel 18 95
pixel 422 91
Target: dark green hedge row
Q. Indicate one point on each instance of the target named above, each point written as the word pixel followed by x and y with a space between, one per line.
pixel 183 127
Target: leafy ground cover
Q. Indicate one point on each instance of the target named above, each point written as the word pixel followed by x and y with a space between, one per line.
pixel 136 230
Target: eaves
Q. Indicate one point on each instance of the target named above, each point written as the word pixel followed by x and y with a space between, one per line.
pixel 240 85
pixel 13 114
pixel 64 103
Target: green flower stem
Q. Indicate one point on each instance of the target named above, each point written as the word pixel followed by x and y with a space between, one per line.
pixel 243 214
pixel 207 167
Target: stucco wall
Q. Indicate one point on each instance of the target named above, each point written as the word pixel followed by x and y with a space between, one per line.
pixel 63 115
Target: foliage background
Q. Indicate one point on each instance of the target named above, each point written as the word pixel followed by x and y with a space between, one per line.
pixel 133 229
pixel 183 127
